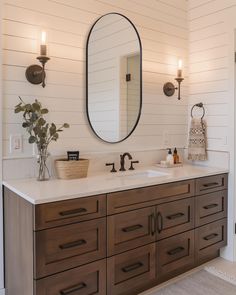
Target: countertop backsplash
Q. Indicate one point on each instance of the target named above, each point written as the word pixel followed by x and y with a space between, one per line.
pixel 27 167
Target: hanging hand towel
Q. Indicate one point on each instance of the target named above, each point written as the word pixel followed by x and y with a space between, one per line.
pixel 197 140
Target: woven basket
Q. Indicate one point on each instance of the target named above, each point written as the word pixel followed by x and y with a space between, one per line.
pixel 71 169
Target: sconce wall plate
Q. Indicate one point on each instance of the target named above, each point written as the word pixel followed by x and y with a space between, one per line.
pixel 169 89
pixel 36 74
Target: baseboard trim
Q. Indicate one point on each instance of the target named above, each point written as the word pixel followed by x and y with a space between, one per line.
pixel 2 292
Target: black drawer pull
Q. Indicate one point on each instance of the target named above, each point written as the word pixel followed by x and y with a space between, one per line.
pixel 175 251
pixel 72 244
pixel 174 216
pixel 73 289
pixel 152 224
pixel 159 222
pixel 131 228
pixel 132 267
pixel 210 206
pixel 212 236
pixel 210 184
pixel 72 212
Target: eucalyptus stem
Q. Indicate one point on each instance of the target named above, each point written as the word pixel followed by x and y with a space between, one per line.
pixel 40 132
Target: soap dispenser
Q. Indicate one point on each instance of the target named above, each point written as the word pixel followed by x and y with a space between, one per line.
pixel 176 156
pixel 169 157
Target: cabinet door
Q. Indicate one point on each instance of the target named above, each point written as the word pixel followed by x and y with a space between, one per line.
pixel 130 272
pixel 175 255
pixel 209 239
pixel 175 217
pixel 210 207
pixel 129 230
pixel 64 247
pixel 84 280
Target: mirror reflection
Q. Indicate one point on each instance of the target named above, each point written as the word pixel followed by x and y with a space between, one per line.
pixel 113 77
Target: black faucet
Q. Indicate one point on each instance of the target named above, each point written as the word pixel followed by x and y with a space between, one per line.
pixel 122 160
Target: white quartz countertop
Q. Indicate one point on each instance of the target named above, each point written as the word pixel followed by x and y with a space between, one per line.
pixel 57 190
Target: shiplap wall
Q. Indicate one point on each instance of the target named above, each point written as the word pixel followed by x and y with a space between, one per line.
pixel 208 63
pixel 163 29
pixel 212 80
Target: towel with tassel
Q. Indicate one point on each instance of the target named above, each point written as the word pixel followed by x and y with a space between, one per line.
pixel 197 140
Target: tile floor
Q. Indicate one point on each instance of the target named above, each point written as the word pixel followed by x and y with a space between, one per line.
pixel 219 266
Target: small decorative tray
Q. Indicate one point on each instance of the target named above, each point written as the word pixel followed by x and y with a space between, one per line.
pixel 167 165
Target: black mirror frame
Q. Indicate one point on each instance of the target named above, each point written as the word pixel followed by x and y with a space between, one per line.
pixel 141 80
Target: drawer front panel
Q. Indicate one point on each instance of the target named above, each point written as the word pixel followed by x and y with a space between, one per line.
pixel 71 211
pixel 69 246
pixel 175 255
pixel 175 217
pixel 210 238
pixel 130 271
pixel 210 184
pixel 137 198
pixel 210 207
pixel 130 230
pixel 85 280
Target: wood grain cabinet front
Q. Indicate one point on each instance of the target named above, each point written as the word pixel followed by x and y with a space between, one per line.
pixel 65 212
pixel 138 198
pixel 210 207
pixel 210 184
pixel 85 280
pixel 175 217
pixel 61 248
pixel 130 230
pixel 175 255
pixel 118 243
pixel 209 239
pixel 131 271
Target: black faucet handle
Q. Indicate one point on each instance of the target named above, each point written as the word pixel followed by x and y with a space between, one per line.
pixel 113 166
pixel 131 165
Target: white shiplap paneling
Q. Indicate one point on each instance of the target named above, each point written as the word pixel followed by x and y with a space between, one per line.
pixel 163 29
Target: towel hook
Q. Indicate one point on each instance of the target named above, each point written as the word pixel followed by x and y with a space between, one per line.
pixel 200 105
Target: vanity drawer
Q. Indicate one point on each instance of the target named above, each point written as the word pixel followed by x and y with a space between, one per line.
pixel 138 198
pixel 69 246
pixel 70 211
pixel 131 271
pixel 175 255
pixel 130 230
pixel 84 280
pixel 210 184
pixel 209 239
pixel 210 207
pixel 175 217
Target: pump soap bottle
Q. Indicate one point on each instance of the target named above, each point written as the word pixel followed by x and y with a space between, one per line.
pixel 176 156
pixel 170 158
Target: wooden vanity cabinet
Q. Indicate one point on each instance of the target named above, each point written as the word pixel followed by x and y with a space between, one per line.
pixel 113 244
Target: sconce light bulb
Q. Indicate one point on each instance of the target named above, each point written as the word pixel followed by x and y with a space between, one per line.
pixel 43 38
pixel 180 64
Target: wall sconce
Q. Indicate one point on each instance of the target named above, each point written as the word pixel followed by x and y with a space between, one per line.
pixel 36 74
pixel 169 88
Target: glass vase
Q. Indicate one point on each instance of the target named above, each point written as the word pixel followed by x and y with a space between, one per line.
pixel 43 173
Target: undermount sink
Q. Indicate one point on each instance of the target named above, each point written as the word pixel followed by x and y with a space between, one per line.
pixel 143 174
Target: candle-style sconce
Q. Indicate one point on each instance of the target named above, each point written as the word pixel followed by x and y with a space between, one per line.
pixel 36 74
pixel 169 88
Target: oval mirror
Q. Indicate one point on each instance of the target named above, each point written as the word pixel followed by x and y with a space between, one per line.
pixel 114 77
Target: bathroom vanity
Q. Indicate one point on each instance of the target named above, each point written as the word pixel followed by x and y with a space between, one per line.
pixel 113 236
